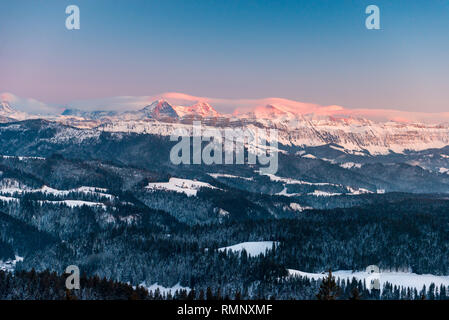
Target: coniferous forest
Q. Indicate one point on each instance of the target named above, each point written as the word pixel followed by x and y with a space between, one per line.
pixel 74 207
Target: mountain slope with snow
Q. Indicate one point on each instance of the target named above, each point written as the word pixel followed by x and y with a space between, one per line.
pixel 352 135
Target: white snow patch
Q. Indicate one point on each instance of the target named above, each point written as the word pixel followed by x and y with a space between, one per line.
pixel 223 212
pixel 338 148
pixel 349 165
pixel 357 191
pixel 8 199
pixel 295 181
pixel 74 203
pixel 319 193
pixel 286 194
pixel 254 248
pixel 9 265
pixel 189 187
pixel 222 175
pixel 12 186
pixel 21 158
pixel 164 290
pixel 297 207
pixel 401 279
pixel 309 156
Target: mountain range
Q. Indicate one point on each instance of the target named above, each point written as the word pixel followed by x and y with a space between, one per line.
pixel 346 141
pixel 352 134
pixel 97 189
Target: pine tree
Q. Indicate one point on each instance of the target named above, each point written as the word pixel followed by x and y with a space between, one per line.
pixel 209 295
pixel 238 296
pixel 69 295
pixel 355 295
pixel 329 289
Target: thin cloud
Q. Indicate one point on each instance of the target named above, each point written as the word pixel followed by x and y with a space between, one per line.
pixel 28 105
pixel 226 106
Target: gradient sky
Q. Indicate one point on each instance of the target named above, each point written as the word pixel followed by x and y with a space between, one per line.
pixel 313 51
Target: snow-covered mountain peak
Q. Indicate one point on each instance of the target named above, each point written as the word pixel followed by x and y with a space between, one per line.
pixel 201 109
pixel 8 112
pixel 268 112
pixel 159 109
pixel 5 108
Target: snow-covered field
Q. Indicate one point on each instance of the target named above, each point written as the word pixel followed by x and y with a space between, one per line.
pixel 74 203
pixel 21 158
pixel 186 186
pixel 275 178
pixel 297 207
pixel 229 176
pixel 349 165
pixel 9 265
pixel 164 290
pixel 400 279
pixel 12 186
pixel 317 193
pixel 252 248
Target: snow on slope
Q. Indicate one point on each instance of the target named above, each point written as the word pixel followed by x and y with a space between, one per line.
pixel 295 181
pixel 317 193
pixel 7 111
pixel 297 207
pixel 74 203
pixel 9 187
pixel 8 199
pixel 298 124
pixel 21 158
pixel 349 165
pixel 202 109
pixel 163 290
pixel 252 248
pixel 9 265
pixel 230 176
pixel 352 137
pixel 12 186
pixel 404 279
pixel 186 186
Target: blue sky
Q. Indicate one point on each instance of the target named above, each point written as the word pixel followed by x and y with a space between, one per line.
pixel 314 51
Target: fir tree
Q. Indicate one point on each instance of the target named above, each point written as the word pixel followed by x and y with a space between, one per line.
pixel 329 289
pixel 355 295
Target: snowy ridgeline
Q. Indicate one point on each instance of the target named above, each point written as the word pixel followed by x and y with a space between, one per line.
pixel 400 279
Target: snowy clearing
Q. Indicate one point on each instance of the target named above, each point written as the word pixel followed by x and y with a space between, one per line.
pixel 400 279
pixel 189 187
pixel 12 186
pixel 230 176
pixel 163 290
pixel 252 248
pixel 349 165
pixel 74 203
pixel 9 265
